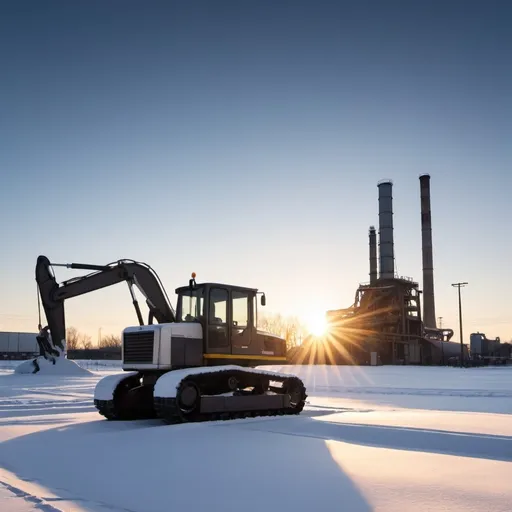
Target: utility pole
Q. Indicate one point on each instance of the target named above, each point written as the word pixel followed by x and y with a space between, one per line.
pixel 459 286
pixel 442 345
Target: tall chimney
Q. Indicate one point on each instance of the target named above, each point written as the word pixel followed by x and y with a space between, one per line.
pixel 429 309
pixel 387 258
pixel 373 255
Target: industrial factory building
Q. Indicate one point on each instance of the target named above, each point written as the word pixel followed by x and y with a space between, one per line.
pixel 18 345
pixel 490 351
pixel 386 323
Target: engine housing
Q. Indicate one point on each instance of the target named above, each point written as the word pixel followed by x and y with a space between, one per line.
pixel 162 346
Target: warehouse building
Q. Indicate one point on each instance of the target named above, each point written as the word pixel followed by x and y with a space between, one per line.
pixel 18 345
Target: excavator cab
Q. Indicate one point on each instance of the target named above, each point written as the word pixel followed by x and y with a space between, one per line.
pixel 228 315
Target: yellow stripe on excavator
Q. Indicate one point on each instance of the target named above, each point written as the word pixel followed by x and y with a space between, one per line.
pixel 243 356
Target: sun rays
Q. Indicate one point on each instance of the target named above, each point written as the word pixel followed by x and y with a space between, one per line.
pixel 342 340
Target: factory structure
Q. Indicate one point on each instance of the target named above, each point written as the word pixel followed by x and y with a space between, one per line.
pixel 392 320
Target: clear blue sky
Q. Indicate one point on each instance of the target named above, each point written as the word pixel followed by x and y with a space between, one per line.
pixel 244 141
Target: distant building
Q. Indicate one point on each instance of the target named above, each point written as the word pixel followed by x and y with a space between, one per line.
pixel 18 345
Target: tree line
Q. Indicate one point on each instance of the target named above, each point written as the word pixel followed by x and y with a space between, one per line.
pixel 76 340
pixel 288 327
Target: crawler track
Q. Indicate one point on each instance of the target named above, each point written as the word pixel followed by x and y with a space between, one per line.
pixel 112 412
pixel 107 409
pixel 170 410
pixel 131 401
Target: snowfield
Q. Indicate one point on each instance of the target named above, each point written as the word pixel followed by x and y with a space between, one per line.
pixel 371 438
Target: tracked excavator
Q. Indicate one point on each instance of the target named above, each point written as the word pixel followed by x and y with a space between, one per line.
pixel 195 362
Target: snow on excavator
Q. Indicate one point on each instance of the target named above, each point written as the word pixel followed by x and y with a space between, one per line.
pixel 197 363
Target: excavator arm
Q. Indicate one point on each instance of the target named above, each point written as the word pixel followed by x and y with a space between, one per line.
pixel 53 295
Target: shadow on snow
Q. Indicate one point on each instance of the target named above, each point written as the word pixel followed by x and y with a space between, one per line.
pixel 484 446
pixel 147 466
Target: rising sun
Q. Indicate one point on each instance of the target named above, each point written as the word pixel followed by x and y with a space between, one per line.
pixel 317 324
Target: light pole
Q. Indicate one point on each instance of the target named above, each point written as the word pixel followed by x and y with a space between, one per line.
pixel 442 344
pixel 459 286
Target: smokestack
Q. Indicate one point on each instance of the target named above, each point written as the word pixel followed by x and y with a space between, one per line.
pixel 386 249
pixel 373 255
pixel 429 310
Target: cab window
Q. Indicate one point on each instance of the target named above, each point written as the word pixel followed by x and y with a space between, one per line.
pixel 240 309
pixel 192 304
pixel 218 306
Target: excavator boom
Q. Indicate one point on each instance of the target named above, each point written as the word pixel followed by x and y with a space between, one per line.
pixel 53 295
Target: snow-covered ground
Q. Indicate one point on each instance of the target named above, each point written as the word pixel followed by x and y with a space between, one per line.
pixel 371 438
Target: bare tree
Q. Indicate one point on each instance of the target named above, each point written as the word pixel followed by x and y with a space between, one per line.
pixel 72 338
pixel 289 328
pixel 85 342
pixel 110 341
pixel 77 340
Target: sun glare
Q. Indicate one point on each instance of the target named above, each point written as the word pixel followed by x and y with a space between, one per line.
pixel 317 324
